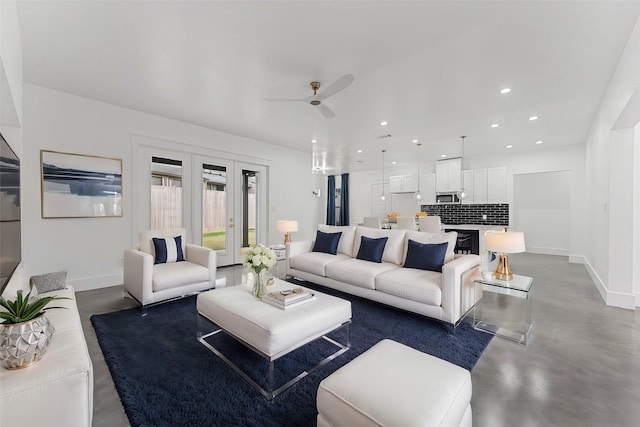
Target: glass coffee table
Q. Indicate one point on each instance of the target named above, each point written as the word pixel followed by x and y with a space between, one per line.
pixel 506 308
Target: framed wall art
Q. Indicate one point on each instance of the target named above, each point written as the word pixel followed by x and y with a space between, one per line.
pixel 79 185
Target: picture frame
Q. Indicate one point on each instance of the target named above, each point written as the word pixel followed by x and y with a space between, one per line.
pixel 80 185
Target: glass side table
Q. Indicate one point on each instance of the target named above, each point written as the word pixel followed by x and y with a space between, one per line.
pixel 506 308
pixel 280 269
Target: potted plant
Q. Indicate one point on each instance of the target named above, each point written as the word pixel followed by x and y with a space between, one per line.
pixel 25 332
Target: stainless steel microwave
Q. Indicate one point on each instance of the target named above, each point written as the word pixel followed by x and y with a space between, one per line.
pixel 447 198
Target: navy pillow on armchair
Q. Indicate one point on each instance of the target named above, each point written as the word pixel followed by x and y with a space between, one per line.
pixel 371 249
pixel 327 242
pixel 425 256
pixel 168 250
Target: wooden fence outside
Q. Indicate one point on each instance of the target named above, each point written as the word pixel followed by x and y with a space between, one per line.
pixel 166 209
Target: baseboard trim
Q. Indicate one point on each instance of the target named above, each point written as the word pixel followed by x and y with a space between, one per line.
pixel 547 251
pixel 617 299
pixel 596 280
pixel 577 259
pixel 614 299
pixel 96 282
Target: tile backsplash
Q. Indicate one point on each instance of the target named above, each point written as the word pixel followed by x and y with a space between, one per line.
pixel 497 214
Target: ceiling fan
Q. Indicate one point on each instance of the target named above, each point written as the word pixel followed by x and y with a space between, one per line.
pixel 317 99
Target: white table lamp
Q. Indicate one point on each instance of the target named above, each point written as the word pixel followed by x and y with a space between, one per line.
pixel 287 227
pixel 504 242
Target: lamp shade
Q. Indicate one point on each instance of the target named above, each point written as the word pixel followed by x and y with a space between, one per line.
pixel 506 242
pixel 287 226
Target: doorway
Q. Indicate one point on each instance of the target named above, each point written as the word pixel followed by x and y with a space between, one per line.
pixel 227 215
pixel 221 202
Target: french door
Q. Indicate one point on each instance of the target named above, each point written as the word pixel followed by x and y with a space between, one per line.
pixel 221 202
pixel 229 209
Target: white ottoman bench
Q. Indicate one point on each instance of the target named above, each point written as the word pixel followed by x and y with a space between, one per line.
pixel 394 385
pixel 270 331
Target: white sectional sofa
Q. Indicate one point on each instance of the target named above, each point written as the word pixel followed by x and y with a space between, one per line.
pixel 445 295
pixel 58 389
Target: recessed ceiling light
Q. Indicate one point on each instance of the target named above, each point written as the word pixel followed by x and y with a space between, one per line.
pixel 509 146
pixel 313 141
pixel 393 163
pixel 505 90
pixel 532 118
pixel 539 142
pixel 359 151
pixel 495 125
pixel 383 123
pixel 443 155
pixel 414 141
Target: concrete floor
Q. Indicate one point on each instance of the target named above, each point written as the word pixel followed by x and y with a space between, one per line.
pixel 581 366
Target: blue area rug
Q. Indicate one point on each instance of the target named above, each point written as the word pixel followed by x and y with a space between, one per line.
pixel 165 377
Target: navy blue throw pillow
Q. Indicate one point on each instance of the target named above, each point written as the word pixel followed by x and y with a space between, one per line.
pixel 425 256
pixel 371 249
pixel 327 242
pixel 168 250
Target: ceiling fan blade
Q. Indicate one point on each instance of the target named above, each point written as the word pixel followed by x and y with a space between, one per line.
pixel 326 111
pixel 283 100
pixel 337 86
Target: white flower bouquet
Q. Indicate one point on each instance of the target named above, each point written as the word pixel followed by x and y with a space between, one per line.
pixel 259 258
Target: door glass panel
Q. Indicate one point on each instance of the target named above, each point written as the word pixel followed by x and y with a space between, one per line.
pixel 249 207
pixel 214 207
pixel 166 193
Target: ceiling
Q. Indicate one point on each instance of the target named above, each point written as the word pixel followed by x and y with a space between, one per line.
pixel 432 70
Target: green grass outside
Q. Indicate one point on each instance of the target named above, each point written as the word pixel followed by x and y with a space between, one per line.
pixel 217 239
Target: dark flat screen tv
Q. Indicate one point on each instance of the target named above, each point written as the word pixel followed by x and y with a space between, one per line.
pixel 10 232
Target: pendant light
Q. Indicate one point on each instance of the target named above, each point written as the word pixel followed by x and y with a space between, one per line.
pixel 383 198
pixel 418 195
pixel 462 194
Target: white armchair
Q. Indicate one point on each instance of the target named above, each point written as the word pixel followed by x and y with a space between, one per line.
pixel 151 283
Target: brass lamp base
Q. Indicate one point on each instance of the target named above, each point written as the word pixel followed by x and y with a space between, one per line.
pixel 503 272
pixel 287 238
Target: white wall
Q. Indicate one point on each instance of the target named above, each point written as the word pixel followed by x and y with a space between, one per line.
pixel 567 158
pixel 91 249
pixel 620 212
pixel 609 157
pixel 543 215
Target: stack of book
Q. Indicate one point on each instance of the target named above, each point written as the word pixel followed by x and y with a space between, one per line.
pixel 288 298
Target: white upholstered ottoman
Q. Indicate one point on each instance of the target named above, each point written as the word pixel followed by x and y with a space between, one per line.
pixel 394 385
pixel 270 331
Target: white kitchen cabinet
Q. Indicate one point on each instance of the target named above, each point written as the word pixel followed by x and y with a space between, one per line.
pixel 428 189
pixel 395 183
pixel 448 175
pixel 497 185
pixel 467 185
pixel 480 186
pixel 403 183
